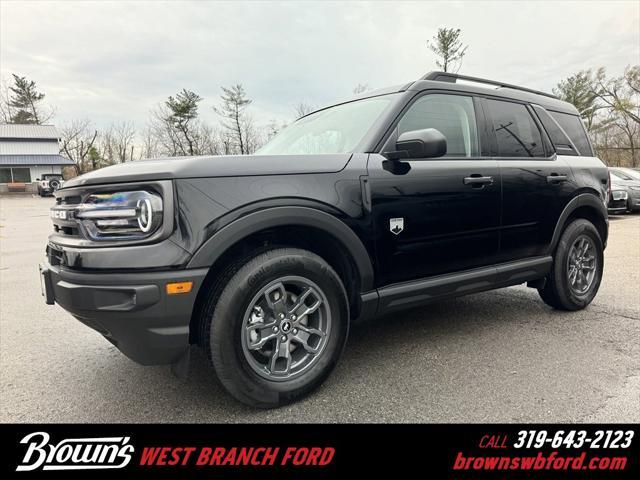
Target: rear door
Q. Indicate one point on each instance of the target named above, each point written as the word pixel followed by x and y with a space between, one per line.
pixel 439 215
pixel 536 183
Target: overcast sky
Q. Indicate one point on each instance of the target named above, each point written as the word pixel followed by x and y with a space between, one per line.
pixel 112 61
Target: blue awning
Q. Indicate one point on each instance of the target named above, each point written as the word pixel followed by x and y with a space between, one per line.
pixel 35 160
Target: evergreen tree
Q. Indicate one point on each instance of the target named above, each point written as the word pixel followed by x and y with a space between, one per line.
pixel 24 102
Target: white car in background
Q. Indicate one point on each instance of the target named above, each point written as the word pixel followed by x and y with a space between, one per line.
pixel 49 183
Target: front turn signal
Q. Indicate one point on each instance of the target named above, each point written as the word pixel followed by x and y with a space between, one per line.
pixel 179 287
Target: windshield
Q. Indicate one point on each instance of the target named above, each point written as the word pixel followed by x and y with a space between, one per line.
pixel 336 129
pixel 629 173
pixel 621 175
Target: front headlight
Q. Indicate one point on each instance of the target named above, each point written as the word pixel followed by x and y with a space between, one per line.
pixel 120 215
pixel 619 195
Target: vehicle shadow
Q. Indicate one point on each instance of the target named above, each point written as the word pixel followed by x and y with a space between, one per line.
pixel 392 338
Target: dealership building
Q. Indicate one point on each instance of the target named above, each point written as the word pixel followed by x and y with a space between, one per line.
pixel 26 153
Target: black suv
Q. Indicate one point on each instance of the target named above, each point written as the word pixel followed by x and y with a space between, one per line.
pixel 441 187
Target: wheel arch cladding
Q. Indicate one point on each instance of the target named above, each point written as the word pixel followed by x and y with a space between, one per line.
pixel 588 206
pixel 301 227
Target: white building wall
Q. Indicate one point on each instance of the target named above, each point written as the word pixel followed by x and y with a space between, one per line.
pixel 26 147
pixel 38 170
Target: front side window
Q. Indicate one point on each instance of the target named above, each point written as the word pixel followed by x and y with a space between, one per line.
pixel 451 115
pixel 336 129
pixel 516 133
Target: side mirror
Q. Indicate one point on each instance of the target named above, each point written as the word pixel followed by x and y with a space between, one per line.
pixel 426 143
pixel 37 179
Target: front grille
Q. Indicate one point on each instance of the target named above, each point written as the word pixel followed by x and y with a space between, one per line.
pixel 70 200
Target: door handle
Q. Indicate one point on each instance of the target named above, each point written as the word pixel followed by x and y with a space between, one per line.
pixel 555 178
pixel 476 180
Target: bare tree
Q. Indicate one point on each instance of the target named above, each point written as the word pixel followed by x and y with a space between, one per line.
pixel 302 109
pixel 620 93
pixel 149 147
pixel 446 44
pixel 122 135
pixel 6 110
pixel 361 88
pixel 235 120
pixel 78 144
pixel 610 107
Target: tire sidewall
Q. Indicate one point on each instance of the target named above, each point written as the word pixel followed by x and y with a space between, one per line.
pixel 226 348
pixel 567 296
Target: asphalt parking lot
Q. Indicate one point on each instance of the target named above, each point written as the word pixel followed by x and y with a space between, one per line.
pixel 501 356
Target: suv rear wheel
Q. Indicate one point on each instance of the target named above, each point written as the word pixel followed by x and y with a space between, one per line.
pixel 577 268
pixel 277 327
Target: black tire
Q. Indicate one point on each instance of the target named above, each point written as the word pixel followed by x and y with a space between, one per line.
pixel 225 314
pixel 557 291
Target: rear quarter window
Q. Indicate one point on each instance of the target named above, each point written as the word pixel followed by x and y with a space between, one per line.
pixel 573 126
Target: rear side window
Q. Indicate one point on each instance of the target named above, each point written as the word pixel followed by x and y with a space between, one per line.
pixel 559 139
pixel 451 115
pixel 516 132
pixel 572 125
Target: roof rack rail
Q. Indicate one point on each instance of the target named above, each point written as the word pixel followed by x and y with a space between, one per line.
pixel 453 77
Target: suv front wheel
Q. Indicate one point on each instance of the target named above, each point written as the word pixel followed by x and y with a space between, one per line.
pixel 577 268
pixel 277 327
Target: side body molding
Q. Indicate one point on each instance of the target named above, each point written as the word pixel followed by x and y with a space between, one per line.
pixel 219 242
pixel 582 200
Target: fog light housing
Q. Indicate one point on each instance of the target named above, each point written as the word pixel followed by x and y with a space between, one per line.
pixel 120 215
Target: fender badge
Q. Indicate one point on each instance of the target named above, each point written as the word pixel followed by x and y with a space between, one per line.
pixel 396 225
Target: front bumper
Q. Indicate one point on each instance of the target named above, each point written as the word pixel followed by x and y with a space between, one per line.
pixel 132 310
pixel 633 203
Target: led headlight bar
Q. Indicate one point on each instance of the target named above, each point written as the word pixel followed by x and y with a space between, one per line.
pixel 120 215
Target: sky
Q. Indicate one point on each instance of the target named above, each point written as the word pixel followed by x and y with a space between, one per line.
pixel 110 61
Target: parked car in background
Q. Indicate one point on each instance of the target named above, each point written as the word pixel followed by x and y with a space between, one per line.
pixel 628 180
pixel 49 183
pixel 617 200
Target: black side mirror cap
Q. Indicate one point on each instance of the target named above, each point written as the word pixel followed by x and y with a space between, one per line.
pixel 425 143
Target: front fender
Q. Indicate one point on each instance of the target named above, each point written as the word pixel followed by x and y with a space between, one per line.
pixel 213 248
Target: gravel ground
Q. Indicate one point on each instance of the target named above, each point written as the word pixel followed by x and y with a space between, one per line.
pixel 501 356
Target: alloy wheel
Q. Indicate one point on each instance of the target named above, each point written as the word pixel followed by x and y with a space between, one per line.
pixel 285 328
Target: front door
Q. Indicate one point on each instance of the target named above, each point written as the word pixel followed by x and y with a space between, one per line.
pixel 436 216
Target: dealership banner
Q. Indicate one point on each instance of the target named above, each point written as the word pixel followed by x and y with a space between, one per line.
pixel 321 451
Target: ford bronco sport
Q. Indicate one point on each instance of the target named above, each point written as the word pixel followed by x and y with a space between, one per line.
pixel 445 186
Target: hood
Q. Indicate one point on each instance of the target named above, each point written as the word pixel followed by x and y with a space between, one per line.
pixel 624 183
pixel 621 184
pixel 212 166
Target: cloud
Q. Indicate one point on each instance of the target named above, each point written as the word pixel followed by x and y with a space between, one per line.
pixel 110 61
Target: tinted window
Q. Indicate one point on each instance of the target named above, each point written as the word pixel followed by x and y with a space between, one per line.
pixel 516 132
pixel 452 115
pixel 555 132
pixel 572 125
